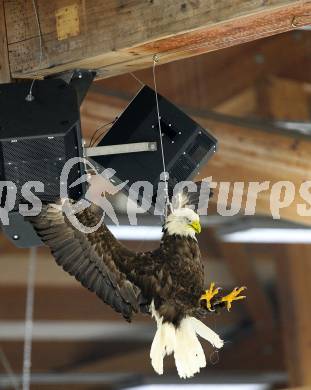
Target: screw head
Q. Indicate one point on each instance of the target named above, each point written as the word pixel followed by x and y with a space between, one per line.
pixel 29 98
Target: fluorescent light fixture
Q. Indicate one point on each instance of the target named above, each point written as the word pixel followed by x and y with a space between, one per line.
pixel 136 233
pixel 82 330
pixel 202 387
pixel 302 127
pixel 269 235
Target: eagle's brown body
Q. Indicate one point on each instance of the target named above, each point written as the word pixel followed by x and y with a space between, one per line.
pixel 172 275
pixel 179 277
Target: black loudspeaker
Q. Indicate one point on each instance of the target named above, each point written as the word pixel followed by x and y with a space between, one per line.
pixel 187 146
pixel 38 137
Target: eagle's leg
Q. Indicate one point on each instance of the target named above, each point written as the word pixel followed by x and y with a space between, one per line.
pixel 233 296
pixel 209 295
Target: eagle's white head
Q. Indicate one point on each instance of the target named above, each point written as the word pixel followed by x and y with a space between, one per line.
pixel 183 222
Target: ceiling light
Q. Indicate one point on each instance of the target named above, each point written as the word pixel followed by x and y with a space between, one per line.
pixel 202 387
pixel 270 235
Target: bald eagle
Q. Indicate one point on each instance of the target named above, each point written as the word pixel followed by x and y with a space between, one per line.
pixel 166 283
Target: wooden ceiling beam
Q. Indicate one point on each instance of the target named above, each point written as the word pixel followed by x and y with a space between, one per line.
pixel 62 356
pixel 284 99
pixel 243 103
pixel 294 269
pixel 257 302
pixel 211 79
pixel 293 261
pixel 120 38
pixel 62 303
pixel 136 361
pixel 248 355
pixel 4 57
pixel 250 155
pixel 74 303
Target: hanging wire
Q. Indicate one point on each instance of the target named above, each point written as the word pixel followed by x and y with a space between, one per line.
pixel 29 318
pixel 137 79
pixel 155 60
pixel 8 369
pixel 93 141
pixel 30 97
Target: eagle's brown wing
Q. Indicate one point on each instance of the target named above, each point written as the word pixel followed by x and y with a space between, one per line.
pixel 89 257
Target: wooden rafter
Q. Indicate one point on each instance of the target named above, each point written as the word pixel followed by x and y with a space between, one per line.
pixel 294 269
pixel 247 356
pixel 293 262
pixel 284 99
pixel 4 59
pixel 212 79
pixel 118 38
pixel 250 155
pixel 257 302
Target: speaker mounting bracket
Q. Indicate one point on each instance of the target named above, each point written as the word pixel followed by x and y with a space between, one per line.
pixel 134 147
pixel 80 79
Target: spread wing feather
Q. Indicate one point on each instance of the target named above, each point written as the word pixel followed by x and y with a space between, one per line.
pixel 89 259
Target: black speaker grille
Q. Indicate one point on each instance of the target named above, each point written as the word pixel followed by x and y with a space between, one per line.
pixel 41 159
pixel 35 159
pixel 182 168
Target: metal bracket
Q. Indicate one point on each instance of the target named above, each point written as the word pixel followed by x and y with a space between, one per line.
pixel 121 149
pixel 20 231
pixel 80 79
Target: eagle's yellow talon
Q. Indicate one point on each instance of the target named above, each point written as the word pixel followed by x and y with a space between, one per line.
pixel 209 295
pixel 233 296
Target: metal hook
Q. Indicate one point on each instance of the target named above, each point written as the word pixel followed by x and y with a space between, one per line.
pixel 293 22
pixel 155 58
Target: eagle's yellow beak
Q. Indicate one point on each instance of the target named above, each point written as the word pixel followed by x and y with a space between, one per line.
pixel 196 226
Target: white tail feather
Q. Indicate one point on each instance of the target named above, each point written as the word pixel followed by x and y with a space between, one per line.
pixel 206 333
pixel 183 342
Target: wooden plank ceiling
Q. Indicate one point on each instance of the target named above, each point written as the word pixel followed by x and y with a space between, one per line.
pixel 5 76
pixel 116 37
